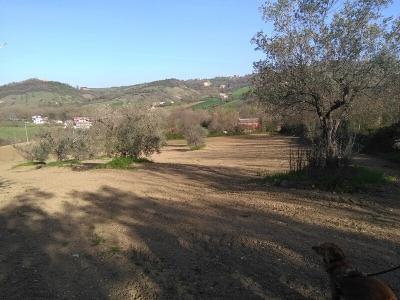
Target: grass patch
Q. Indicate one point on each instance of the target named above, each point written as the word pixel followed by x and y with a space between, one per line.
pixel 197 147
pixel 113 250
pixel 17 134
pixel 63 163
pixel 239 93
pixel 174 136
pixel 29 164
pixel 350 179
pixel 97 240
pixel 208 104
pixel 122 163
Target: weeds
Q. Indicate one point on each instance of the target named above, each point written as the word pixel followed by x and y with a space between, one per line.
pixel 197 147
pixel 63 163
pixel 349 179
pixel 122 163
pixel 97 240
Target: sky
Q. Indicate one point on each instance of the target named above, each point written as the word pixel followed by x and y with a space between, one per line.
pixel 119 42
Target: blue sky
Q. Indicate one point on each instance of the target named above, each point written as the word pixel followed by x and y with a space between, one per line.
pixel 101 43
pixel 119 42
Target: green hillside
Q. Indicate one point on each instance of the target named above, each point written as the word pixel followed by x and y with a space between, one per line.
pixel 58 100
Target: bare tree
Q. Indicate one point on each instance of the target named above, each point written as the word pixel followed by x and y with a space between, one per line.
pixel 324 55
pixel 224 119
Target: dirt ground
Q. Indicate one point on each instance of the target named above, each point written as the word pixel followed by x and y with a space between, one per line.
pixel 191 225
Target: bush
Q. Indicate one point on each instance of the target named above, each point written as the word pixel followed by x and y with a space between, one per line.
pixel 34 151
pixel 194 135
pixel 189 123
pixel 129 131
pixel 295 129
pixel 383 140
pixel 122 163
pixel 224 120
pixel 349 179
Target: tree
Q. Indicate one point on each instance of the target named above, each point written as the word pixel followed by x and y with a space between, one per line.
pixel 322 56
pixel 188 123
pixel 224 119
pixel 131 131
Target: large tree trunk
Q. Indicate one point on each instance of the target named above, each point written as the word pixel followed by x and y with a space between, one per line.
pixel 329 139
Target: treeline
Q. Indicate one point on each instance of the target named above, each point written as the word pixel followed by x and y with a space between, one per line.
pixel 137 131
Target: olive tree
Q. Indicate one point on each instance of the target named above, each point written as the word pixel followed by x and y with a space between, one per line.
pixel 322 56
pixel 132 131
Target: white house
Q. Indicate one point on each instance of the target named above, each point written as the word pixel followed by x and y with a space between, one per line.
pixel 82 123
pixel 206 83
pixel 39 120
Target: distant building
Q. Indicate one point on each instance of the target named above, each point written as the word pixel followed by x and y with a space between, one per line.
pixel 69 124
pixel 222 86
pixel 206 83
pixel 249 124
pixel 82 123
pixel 39 120
pixel 84 88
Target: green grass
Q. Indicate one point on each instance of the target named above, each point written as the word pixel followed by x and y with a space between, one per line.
pixel 208 104
pixel 17 134
pixel 122 163
pixel 174 136
pixel 197 147
pixel 240 93
pixel 63 163
pixel 350 179
pixel 114 250
pixel 97 240
pixel 28 164
pixel 233 103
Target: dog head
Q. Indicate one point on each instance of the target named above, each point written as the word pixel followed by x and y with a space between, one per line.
pixel 330 253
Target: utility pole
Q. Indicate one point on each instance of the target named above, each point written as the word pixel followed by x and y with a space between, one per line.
pixel 26 133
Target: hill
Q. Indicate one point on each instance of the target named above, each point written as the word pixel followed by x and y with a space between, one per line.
pixel 34 93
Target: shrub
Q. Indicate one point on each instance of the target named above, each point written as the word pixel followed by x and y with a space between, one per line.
pixel 349 179
pixel 383 140
pixel 34 151
pixel 189 123
pixel 129 131
pixel 224 120
pixel 194 135
pixel 122 163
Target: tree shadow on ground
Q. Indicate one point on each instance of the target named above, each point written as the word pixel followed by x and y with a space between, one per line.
pixel 234 179
pixel 115 244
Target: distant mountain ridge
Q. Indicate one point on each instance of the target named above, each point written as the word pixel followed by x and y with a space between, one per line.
pixel 35 92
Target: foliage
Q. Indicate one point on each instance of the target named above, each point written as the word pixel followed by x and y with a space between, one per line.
pixel 241 93
pixel 383 140
pixel 129 131
pixel 63 163
pixel 321 58
pixel 224 120
pixel 349 179
pixel 189 124
pixel 35 151
pixel 122 163
pixel 208 104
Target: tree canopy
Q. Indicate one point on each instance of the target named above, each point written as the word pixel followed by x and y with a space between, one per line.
pixel 323 55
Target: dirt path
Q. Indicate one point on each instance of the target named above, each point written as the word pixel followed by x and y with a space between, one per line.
pixel 191 225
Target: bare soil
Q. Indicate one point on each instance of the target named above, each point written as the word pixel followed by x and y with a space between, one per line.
pixel 191 225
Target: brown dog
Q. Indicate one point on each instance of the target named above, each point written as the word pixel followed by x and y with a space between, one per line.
pixel 348 283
